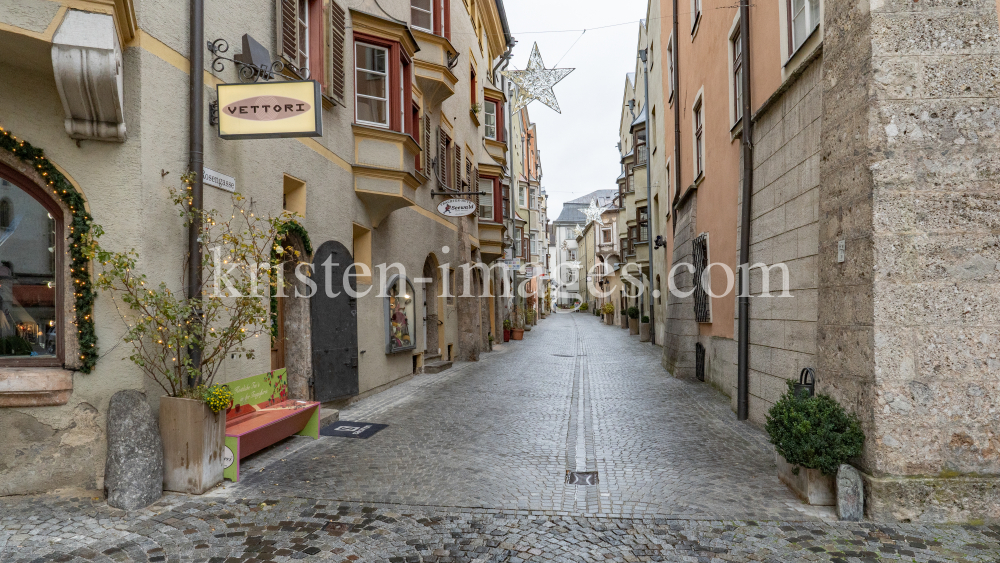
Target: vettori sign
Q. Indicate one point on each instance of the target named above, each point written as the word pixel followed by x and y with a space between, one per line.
pixel 456 207
pixel 263 110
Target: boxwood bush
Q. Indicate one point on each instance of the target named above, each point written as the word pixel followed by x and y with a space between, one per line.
pixel 814 432
pixel 632 312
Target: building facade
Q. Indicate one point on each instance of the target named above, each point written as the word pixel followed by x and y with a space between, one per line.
pixel 412 104
pixel 858 141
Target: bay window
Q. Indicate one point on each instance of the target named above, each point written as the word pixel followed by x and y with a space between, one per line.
pixel 422 15
pixel 486 200
pixel 490 119
pixel 371 84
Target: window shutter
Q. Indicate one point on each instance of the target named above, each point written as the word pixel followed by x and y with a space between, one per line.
pixel 458 167
pixel 427 143
pixel 442 158
pixel 475 183
pixel 288 29
pixel 468 173
pixel 336 83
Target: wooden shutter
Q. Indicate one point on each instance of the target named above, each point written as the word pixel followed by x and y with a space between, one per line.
pixel 442 157
pixel 468 173
pixel 427 144
pixel 337 81
pixel 458 167
pixel 288 29
pixel 475 188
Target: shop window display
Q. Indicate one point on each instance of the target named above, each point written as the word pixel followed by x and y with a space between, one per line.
pixel 399 322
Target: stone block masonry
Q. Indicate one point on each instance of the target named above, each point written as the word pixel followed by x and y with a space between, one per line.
pixel 907 332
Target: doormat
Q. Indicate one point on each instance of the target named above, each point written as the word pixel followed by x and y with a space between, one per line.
pixel 584 478
pixel 348 429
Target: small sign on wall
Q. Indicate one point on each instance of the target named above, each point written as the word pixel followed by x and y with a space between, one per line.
pixel 456 207
pixel 212 178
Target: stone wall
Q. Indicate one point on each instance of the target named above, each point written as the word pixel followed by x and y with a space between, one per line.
pixel 682 330
pixel 784 230
pixel 908 331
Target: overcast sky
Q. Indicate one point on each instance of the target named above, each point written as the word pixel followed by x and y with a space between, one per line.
pixel 578 146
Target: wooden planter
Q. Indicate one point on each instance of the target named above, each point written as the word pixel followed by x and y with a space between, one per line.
pixel 810 484
pixel 517 334
pixel 633 326
pixel 193 441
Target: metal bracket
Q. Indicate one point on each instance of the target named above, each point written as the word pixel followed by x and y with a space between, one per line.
pixel 251 72
pixel 453 61
pixel 457 193
pixel 213 113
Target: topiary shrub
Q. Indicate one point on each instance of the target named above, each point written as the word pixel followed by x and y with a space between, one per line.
pixel 633 312
pixel 584 306
pixel 608 308
pixel 644 319
pixel 814 432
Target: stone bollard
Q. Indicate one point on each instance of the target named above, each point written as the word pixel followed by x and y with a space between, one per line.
pixel 133 472
pixel 850 494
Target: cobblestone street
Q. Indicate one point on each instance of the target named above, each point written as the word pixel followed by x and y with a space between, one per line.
pixel 473 466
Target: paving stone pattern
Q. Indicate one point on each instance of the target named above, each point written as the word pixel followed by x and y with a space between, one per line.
pixel 473 468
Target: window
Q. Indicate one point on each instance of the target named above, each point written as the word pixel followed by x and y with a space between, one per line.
pixel 490 119
pixel 699 139
pixel 737 76
pixel 606 235
pixel 670 67
pixel 422 15
pixel 804 17
pixel 702 311
pixel 473 94
pixel 400 313
pixel 505 199
pixel 371 83
pixel 517 241
pixel 640 147
pixel 486 201
pixel 30 312
pixel 522 198
pixel 571 254
pixel 642 223
pixel 303 32
pixel 532 199
pixel 534 244
pixel 696 15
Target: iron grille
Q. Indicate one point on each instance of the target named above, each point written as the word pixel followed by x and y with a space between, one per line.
pixel 699 361
pixel 702 313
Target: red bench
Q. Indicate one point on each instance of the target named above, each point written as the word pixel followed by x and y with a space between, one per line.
pixel 261 415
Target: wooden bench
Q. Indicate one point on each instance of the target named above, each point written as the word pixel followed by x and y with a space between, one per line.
pixel 262 415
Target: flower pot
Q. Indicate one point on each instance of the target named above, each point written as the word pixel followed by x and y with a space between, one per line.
pixel 506 335
pixel 609 318
pixel 516 333
pixel 624 320
pixel 643 332
pixel 810 484
pixel 193 440
pixel 633 326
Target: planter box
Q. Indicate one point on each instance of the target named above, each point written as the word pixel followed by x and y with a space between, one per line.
pixel 624 320
pixel 506 335
pixel 517 334
pixel 633 326
pixel 193 440
pixel 609 319
pixel 810 484
pixel 643 332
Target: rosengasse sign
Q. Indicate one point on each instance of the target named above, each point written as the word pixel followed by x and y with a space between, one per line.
pixel 265 110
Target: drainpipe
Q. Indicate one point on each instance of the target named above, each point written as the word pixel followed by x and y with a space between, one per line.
pixel 196 141
pixel 643 54
pixel 677 116
pixel 743 353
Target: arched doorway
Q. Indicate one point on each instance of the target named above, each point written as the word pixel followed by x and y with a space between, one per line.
pixel 291 345
pixel 431 291
pixel 334 323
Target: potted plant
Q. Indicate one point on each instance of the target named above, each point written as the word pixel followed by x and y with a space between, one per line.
pixel 633 320
pixel 813 436
pixel 584 306
pixel 529 319
pixel 609 312
pixel 163 325
pixel 517 332
pixel 644 329
pixel 506 330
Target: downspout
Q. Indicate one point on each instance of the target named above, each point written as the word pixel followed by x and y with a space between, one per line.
pixel 743 353
pixel 196 142
pixel 644 55
pixel 676 85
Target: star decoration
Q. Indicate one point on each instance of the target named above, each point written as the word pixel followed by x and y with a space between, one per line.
pixel 577 230
pixel 594 212
pixel 535 82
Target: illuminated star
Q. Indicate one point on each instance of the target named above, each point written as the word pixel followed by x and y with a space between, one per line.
pixel 594 212
pixel 535 82
pixel 577 230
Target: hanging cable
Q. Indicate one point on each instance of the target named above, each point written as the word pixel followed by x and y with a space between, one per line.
pixel 570 49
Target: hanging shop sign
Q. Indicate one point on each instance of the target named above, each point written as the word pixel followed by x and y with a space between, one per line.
pixel 266 110
pixel 212 178
pixel 456 207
